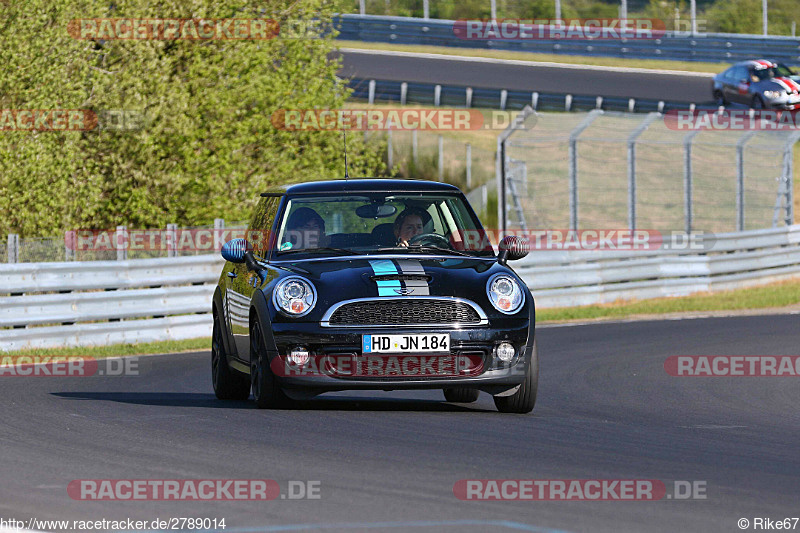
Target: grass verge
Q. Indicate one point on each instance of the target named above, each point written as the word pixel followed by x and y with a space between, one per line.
pixel 114 350
pixel 656 64
pixel 776 295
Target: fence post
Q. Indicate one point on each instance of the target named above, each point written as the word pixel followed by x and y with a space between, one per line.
pixel 13 248
pixel 219 226
pixel 414 146
pixel 371 92
pixel 740 178
pixel 172 240
pixel 788 177
pixel 469 96
pixel 687 180
pixel 573 165
pixel 403 93
pixel 632 167
pixel 121 243
pixel 361 7
pixel 70 242
pixel 389 150
pixel 500 163
pixel 437 95
pixel 469 166
pixel 441 158
pixel 426 11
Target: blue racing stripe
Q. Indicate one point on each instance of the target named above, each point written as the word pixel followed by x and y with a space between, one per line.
pixel 384 267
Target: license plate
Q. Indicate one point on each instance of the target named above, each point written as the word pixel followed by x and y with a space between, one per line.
pixel 424 343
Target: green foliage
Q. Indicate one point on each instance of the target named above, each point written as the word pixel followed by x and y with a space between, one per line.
pixel 207 146
pixel 744 16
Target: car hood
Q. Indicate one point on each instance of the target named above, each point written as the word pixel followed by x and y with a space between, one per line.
pixel 337 279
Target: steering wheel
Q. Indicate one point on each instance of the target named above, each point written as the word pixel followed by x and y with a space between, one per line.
pixel 434 238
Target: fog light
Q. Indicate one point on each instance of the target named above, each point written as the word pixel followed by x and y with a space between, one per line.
pixel 299 355
pixel 505 352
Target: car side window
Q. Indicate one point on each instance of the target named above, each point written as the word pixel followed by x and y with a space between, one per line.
pixel 260 228
pixel 740 73
pixel 729 74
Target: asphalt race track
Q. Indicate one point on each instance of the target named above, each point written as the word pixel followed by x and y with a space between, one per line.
pixel 388 461
pixel 494 74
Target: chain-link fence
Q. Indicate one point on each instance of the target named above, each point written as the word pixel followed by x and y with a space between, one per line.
pixel 623 170
pixel 122 243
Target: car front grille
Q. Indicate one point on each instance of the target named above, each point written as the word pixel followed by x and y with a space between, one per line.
pixel 405 312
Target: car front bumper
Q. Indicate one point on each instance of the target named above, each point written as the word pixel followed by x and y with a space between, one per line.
pixel 477 343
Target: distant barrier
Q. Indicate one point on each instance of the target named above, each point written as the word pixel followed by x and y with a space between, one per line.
pixel 709 47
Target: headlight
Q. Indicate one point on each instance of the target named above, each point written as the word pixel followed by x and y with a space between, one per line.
pixel 294 296
pixel 505 293
pixel 773 94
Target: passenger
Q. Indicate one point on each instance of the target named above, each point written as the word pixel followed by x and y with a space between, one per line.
pixel 305 229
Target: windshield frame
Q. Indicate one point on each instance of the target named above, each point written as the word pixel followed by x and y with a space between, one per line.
pixel 275 254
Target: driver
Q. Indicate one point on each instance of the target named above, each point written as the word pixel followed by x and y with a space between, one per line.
pixel 408 224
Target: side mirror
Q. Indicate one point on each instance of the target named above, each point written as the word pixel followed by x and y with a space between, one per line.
pixel 234 250
pixel 512 248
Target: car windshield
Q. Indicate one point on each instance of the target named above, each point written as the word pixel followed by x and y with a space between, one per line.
pixel 377 223
pixel 779 71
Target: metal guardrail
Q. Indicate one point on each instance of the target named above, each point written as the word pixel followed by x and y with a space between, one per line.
pixel 734 260
pixel 38 312
pixel 106 302
pixel 710 47
pixel 463 96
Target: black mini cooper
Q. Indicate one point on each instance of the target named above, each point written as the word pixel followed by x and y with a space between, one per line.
pixel 372 284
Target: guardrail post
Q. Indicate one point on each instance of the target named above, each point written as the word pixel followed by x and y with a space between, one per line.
pixel 503 99
pixel 437 95
pixel 687 180
pixel 441 158
pixel 13 248
pixel 403 93
pixel 219 226
pixel 631 105
pixel 121 243
pixel 172 240
pixel 469 96
pixel 598 102
pixel 573 165
pixel 371 91
pixel 568 102
pixel 535 100
pixel 469 166
pixel 740 179
pixel 426 11
pixel 632 167
pixel 70 242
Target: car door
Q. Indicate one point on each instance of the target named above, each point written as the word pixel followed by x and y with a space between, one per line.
pixel 740 85
pixel 243 281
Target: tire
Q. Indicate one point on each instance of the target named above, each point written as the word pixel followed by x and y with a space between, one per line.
pixel 266 391
pixel 758 103
pixel 461 395
pixel 720 99
pixel 524 399
pixel 228 384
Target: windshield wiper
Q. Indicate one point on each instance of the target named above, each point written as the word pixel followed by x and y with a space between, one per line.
pixel 316 250
pixel 419 248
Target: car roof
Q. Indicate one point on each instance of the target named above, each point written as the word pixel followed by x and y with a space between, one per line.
pixel 758 63
pixel 361 185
